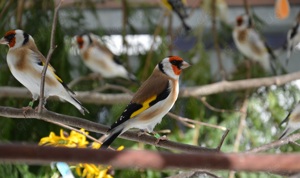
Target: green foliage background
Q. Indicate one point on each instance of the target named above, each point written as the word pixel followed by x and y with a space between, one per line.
pixel 267 106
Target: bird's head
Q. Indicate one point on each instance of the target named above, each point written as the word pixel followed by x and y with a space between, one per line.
pixel 172 66
pixel 15 38
pixel 243 21
pixel 83 41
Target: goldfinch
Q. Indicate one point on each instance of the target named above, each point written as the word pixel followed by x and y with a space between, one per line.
pixel 250 44
pixel 178 6
pixel 26 63
pixel 99 58
pixel 293 122
pixel 152 101
pixel 293 38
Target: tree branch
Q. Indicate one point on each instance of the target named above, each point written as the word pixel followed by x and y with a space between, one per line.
pixel 229 86
pixel 52 47
pixel 209 89
pixel 49 116
pixel 275 144
pixel 216 39
pixel 33 154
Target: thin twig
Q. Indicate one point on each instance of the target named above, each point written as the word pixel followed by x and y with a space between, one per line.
pixel 246 7
pixel 170 34
pixel 91 76
pixel 76 130
pixel 275 144
pixel 6 6
pixel 223 139
pixel 203 100
pixel 150 53
pixel 113 87
pixel 242 118
pixel 19 12
pixel 52 47
pixel 178 118
pixel 216 40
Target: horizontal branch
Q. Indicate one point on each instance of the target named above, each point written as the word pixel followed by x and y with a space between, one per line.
pixel 33 154
pixel 228 86
pixel 209 89
pixel 84 97
pixel 49 116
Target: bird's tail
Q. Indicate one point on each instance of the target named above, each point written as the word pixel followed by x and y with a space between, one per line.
pixel 284 134
pixel 110 138
pixel 132 78
pixel 71 99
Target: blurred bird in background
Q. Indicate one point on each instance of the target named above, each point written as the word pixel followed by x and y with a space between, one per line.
pixel 98 58
pixel 26 64
pixel 152 101
pixel 221 9
pixel 292 120
pixel 293 37
pixel 179 7
pixel 282 9
pixel 250 44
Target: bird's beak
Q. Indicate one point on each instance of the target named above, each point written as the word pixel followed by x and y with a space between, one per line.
pixel 185 65
pixel 3 41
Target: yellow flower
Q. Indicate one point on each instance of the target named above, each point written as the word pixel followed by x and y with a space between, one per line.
pixel 93 171
pixel 74 140
pixel 78 140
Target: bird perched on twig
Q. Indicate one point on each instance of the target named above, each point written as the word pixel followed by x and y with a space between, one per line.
pixel 152 101
pixel 250 44
pixel 293 38
pixel 26 63
pixel 293 122
pixel 178 6
pixel 97 57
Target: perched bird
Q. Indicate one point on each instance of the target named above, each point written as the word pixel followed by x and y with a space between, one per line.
pixel 26 63
pixel 293 122
pixel 250 44
pixel 293 38
pixel 99 58
pixel 178 6
pixel 152 101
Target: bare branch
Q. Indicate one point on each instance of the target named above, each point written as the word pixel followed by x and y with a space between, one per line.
pixel 150 53
pixel 222 139
pixel 216 40
pixel 203 100
pixel 49 116
pixel 275 144
pixel 219 87
pixel 229 86
pixel 16 153
pixel 76 130
pixel 91 76
pixel 52 47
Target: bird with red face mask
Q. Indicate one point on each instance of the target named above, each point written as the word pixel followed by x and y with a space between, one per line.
pixel 152 101
pixel 26 64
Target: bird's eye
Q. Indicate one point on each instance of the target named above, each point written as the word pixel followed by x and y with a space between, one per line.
pixel 10 37
pixel 176 62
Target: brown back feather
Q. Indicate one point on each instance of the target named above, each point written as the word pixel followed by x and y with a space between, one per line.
pixel 154 85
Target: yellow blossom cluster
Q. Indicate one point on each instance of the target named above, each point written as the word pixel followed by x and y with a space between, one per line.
pixel 78 140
